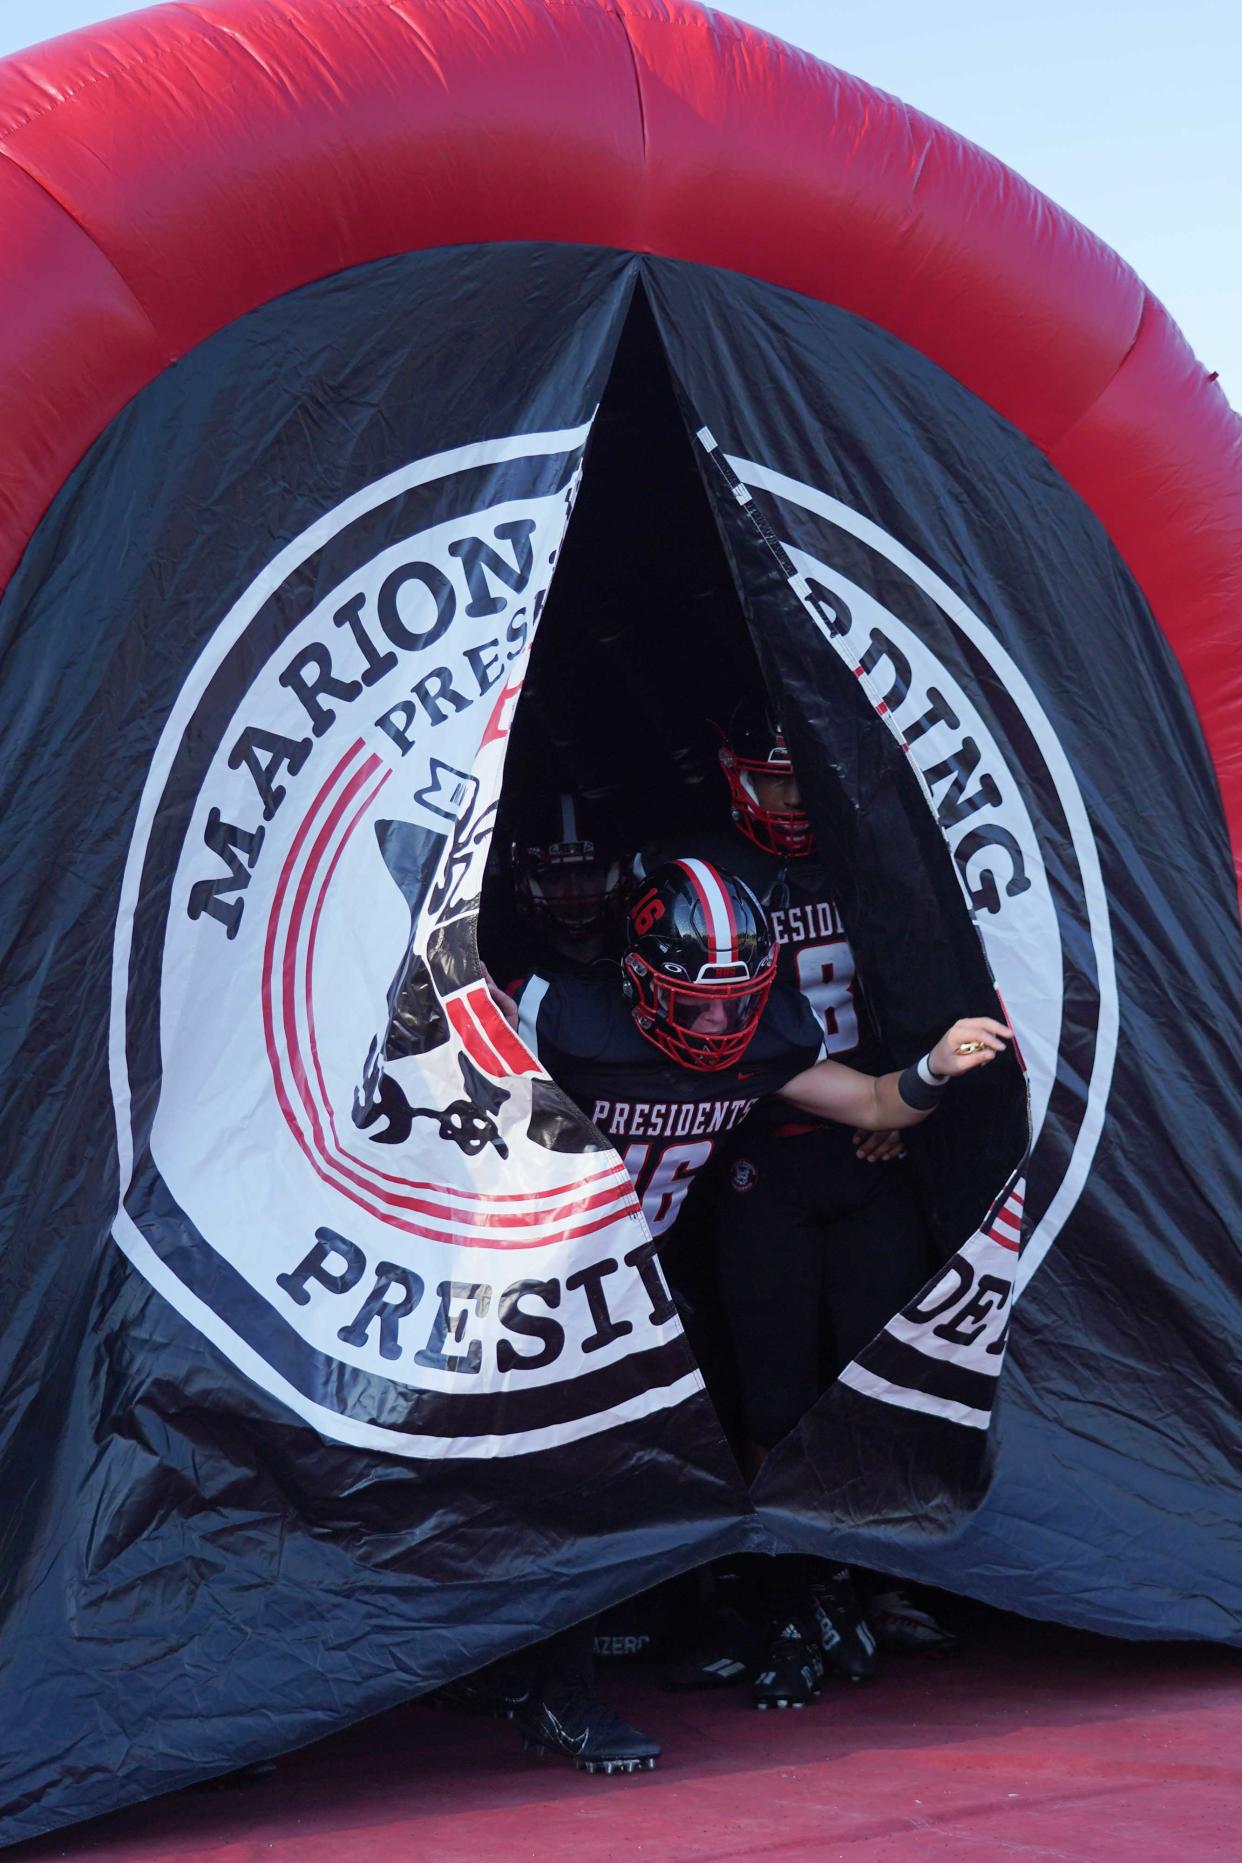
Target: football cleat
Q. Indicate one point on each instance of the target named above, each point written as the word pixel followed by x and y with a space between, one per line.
pixel 908 1629
pixel 793 1669
pixel 728 1653
pixel 846 1638
pixel 568 1721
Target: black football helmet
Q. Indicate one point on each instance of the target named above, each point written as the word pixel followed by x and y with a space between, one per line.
pixel 698 965
pixel 755 746
pixel 567 871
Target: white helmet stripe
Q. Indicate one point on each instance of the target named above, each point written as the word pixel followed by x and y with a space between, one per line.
pixel 721 925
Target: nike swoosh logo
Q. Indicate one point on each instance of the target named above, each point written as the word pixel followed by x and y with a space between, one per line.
pixel 575 1742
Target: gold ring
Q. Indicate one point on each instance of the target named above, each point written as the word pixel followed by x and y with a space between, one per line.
pixel 968 1047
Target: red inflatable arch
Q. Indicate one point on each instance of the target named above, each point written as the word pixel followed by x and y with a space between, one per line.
pixel 633 250
pixel 329 136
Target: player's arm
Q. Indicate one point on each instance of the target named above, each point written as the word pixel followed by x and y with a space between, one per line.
pixel 875 1103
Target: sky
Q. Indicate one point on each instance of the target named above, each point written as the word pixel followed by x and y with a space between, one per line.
pixel 1126 112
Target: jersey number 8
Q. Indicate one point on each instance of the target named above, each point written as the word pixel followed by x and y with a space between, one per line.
pixel 830 995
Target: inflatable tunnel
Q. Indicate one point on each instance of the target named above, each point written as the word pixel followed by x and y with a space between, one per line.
pixel 405 402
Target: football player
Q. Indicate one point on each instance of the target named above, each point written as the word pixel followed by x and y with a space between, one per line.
pixel 667 1059
pixel 569 882
pixel 812 1185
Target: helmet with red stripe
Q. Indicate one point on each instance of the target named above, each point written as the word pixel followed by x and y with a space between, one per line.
pixel 763 787
pixel 567 871
pixel 700 957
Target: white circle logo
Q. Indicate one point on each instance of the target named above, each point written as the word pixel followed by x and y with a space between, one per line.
pixel 333 1146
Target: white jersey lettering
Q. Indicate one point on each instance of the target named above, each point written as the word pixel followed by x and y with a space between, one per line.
pixel 661 1182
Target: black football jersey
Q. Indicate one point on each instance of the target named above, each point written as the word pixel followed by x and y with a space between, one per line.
pixel 814 950
pixel 550 963
pixel 664 1120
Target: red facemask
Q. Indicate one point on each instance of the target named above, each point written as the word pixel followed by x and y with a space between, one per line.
pixel 704 1025
pixel 776 831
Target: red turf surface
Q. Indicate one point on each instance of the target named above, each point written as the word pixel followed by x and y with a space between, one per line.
pixel 1039 1744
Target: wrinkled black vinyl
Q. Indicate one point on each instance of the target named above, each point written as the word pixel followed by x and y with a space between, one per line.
pixel 191 1576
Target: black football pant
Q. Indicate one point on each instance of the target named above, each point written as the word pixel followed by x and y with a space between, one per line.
pixel 566 1656
pixel 815 1251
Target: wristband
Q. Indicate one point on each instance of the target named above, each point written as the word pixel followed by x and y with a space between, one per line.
pixel 921 1087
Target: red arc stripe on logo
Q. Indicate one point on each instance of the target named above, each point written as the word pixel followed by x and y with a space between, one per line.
pixel 617 1190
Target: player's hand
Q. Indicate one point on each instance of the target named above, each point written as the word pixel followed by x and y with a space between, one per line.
pixel 503 1001
pixel 879 1147
pixel 981 1037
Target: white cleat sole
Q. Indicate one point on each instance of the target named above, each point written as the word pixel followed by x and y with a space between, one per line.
pixel 611 1766
pixel 592 1766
